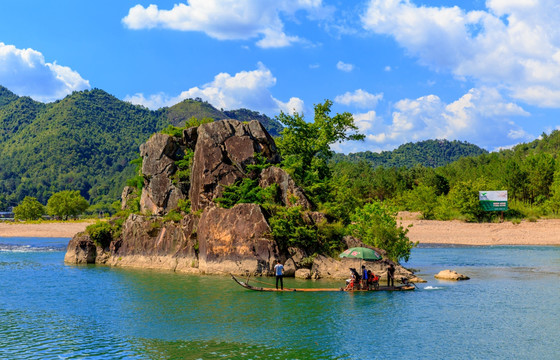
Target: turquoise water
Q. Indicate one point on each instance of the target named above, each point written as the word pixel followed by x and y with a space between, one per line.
pixel 510 309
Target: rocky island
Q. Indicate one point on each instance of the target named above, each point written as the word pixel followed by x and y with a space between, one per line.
pixel 207 238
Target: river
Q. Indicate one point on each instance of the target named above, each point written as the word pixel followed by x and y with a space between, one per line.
pixel 510 309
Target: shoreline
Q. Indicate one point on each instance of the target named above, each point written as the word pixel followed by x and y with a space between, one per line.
pixel 544 232
pixel 61 229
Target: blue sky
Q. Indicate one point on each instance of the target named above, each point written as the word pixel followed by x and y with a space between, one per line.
pixel 487 72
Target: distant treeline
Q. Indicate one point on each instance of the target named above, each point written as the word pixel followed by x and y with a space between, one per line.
pixel 529 172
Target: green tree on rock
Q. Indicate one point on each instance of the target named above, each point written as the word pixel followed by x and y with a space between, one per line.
pixel 305 146
pixel 375 224
pixel 29 209
pixel 66 204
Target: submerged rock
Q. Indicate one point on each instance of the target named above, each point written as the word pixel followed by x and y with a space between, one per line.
pixel 450 275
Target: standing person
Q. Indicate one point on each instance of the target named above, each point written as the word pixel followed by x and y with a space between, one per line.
pixel 391 275
pixel 364 278
pixel 279 271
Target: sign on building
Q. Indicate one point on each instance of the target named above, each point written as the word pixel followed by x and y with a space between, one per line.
pixel 493 200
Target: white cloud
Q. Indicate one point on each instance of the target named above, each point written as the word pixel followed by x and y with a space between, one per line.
pixel 246 89
pixel 480 116
pixel 25 72
pixel 514 44
pixel 229 19
pixel 342 66
pixel 359 98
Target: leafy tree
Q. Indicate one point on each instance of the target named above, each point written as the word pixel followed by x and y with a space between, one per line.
pixel 29 209
pixel 423 198
pixel 375 224
pixel 306 146
pixel 66 203
pixel 465 196
pixel 289 228
pixel 553 202
pixel 540 173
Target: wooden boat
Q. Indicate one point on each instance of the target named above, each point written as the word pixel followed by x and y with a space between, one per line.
pixel 407 287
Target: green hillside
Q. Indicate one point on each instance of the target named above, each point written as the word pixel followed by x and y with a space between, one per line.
pixel 179 113
pixel 428 153
pixel 83 142
pixel 186 109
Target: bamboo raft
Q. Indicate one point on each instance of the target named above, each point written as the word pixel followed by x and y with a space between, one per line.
pixel 406 287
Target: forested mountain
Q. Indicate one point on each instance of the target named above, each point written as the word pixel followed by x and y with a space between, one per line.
pixel 83 142
pixel 428 153
pixel 186 109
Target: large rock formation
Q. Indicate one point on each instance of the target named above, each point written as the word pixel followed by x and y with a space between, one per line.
pixel 209 239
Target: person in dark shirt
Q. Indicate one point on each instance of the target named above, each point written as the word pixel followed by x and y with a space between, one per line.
pixel 391 275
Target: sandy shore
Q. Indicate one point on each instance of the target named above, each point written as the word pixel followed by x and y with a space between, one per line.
pixel 61 229
pixel 541 232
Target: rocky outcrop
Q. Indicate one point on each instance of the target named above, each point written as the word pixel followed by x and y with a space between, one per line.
pixel 236 240
pixel 160 194
pixel 450 275
pixel 206 238
pixel 291 194
pixel 223 151
pixel 80 250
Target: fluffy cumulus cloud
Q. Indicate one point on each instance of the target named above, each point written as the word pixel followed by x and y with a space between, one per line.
pixel 480 116
pixel 359 98
pixel 342 66
pixel 229 19
pixel 25 72
pixel 246 89
pixel 512 43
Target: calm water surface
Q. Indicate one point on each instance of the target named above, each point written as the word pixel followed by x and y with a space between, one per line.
pixel 510 309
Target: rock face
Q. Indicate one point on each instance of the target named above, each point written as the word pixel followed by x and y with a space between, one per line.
pixel 80 250
pixel 210 239
pixel 223 151
pixel 291 194
pixel 235 240
pixel 450 275
pixel 159 155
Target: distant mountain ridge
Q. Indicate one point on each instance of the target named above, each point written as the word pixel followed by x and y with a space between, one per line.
pixel 428 153
pixel 84 142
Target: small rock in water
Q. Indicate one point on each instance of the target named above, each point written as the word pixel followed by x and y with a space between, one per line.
pixel 450 275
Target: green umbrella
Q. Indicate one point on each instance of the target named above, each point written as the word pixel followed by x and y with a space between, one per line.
pixel 360 253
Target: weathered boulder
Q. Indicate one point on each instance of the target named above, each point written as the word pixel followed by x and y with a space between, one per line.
pixel 291 194
pixel 80 250
pixel 235 240
pixel 223 151
pixel 160 194
pixel 450 275
pixel 303 274
pixel 147 242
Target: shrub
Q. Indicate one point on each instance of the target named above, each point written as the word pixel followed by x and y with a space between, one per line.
pixel 29 209
pixel 375 224
pixel 101 233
